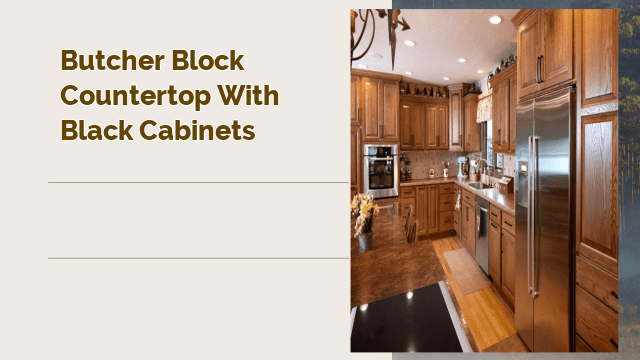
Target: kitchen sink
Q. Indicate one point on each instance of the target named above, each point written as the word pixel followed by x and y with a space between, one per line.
pixel 479 185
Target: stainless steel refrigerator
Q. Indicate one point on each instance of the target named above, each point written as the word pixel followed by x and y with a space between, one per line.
pixel 545 160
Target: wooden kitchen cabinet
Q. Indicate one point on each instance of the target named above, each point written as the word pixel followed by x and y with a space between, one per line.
pixel 468 220
pixel 433 212
pixel 422 209
pixel 356 160
pixel 599 60
pixel 508 275
pixel 472 130
pixel 355 100
pixel 504 87
pixel 597 191
pixel 379 113
pixel 545 49
pixel 437 126
pixel 495 254
pixel 412 125
pixel 456 116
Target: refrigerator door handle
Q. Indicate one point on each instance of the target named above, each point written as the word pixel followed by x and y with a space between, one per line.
pixel 529 287
pixel 534 147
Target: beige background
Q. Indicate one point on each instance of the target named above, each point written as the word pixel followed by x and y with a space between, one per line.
pixel 176 309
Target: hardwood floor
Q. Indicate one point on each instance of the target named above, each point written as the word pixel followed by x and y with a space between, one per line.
pixel 488 317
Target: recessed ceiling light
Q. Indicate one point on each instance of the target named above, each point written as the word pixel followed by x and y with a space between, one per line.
pixel 480 71
pixel 408 72
pixel 363 307
pixel 409 294
pixel 462 60
pixel 445 78
pixel 362 66
pixel 409 43
pixel 495 19
pixel 376 55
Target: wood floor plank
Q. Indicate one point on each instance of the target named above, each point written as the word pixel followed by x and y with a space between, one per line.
pixel 489 318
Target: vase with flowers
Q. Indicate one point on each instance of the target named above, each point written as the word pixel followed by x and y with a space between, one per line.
pixel 363 208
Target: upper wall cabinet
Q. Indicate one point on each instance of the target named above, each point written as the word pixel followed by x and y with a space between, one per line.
pixel 545 49
pixel 504 92
pixel 379 113
pixel 599 62
pixel 456 117
pixel 412 125
pixel 472 130
pixel 355 100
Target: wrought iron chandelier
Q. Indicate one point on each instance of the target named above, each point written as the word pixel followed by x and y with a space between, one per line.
pixel 392 24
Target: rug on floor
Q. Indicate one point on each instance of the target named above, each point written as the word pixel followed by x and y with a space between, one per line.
pixel 510 345
pixel 466 271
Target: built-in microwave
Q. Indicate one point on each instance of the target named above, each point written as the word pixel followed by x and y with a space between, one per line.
pixel 381 170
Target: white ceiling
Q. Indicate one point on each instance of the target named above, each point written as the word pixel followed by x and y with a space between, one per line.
pixel 441 37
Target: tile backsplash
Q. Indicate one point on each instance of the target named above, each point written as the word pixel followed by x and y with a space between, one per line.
pixel 422 161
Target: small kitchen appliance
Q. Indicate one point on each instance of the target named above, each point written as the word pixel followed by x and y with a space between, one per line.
pixel 463 164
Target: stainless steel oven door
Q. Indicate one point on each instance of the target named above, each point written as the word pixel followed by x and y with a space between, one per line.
pixel 381 170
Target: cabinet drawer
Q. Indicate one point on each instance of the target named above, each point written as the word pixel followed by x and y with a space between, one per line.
pixel 447 202
pixel 509 223
pixel 595 322
pixel 446 188
pixel 495 215
pixel 404 207
pixel 408 191
pixel 468 197
pixel 598 283
pixel 447 220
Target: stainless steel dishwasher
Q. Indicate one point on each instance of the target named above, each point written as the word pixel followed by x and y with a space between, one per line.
pixel 482 233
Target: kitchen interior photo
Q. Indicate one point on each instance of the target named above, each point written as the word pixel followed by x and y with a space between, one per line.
pixel 484 194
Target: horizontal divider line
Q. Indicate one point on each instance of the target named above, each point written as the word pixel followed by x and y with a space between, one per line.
pixel 198 258
pixel 198 182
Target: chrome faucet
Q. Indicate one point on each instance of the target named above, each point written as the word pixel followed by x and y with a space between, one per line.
pixel 486 165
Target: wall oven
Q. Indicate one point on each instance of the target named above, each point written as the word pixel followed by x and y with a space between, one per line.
pixel 381 170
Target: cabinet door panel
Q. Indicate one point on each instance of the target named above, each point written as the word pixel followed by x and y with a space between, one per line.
pixel 513 101
pixel 599 56
pixel 389 120
pixel 406 118
pixel 422 209
pixel 455 123
pixel 557 46
pixel 356 165
pixel 495 253
pixel 433 209
pixel 528 53
pixel 369 111
pixel 508 266
pixel 432 124
pixel 443 127
pixel 598 240
pixel 418 126
pixel 355 104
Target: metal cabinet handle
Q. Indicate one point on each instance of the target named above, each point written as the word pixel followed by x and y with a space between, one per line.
pixel 460 139
pixel 380 131
pixel 494 225
pixel 614 294
pixel 613 342
pixel 499 138
pixel 538 70
pixel 358 115
pixel 467 214
pixel 506 222
pixel 541 65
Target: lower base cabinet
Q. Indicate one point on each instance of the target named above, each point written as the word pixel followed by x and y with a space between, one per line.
pixel 495 254
pixel 433 207
pixel 508 266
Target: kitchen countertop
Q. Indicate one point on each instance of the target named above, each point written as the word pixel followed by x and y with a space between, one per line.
pixel 505 202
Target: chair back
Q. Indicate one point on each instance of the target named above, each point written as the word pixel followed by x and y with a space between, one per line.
pixel 413 233
pixel 407 224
